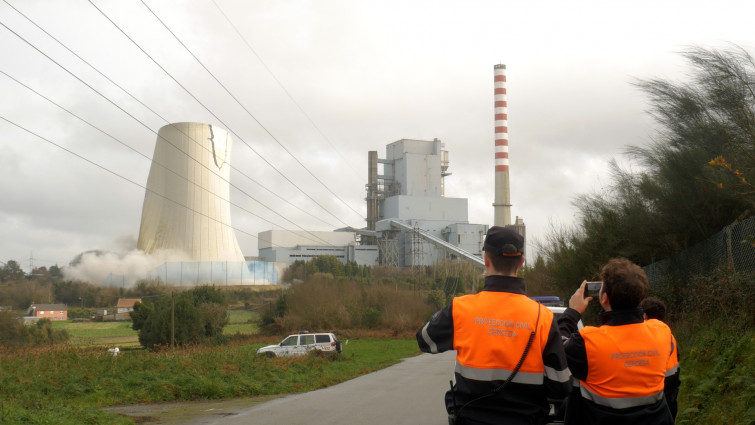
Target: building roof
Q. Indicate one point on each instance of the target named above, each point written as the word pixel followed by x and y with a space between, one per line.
pixel 49 307
pixel 127 302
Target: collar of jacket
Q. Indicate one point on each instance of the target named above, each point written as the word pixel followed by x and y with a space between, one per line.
pixel 497 283
pixel 622 317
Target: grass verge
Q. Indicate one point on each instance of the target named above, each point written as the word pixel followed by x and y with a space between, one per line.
pixel 717 362
pixel 69 385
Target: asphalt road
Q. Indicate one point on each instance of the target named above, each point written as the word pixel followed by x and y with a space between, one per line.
pixel 410 392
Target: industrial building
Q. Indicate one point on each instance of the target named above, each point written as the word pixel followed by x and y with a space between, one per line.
pixel 287 246
pixel 408 210
pixel 410 221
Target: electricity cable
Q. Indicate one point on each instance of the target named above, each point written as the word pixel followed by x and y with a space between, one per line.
pixel 171 171
pixel 286 91
pixel 102 167
pixel 248 112
pixel 264 187
pixel 104 97
pixel 213 114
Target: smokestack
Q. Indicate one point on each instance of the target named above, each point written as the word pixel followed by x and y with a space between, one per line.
pixel 502 202
pixel 372 189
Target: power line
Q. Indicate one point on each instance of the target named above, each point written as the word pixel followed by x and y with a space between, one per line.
pixel 212 113
pixel 102 167
pixel 146 126
pixel 247 111
pixel 262 186
pixel 167 168
pixel 286 91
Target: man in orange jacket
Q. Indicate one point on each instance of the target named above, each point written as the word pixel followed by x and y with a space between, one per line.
pixel 621 366
pixel 510 357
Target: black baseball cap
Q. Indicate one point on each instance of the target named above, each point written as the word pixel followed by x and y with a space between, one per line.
pixel 504 241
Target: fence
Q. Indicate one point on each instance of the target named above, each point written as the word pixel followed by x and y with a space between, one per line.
pixel 207 272
pixel 732 248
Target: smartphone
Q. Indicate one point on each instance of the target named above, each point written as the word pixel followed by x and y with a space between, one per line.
pixel 592 289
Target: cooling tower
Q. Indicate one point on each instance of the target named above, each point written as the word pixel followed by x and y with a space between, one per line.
pixel 186 205
pixel 502 202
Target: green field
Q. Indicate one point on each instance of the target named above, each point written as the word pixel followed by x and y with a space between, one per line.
pixel 99 333
pixel 110 334
pixel 242 322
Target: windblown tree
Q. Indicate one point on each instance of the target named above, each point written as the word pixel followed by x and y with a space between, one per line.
pixel 11 271
pixel 692 178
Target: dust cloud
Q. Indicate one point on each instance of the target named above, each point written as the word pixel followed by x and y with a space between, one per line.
pixel 118 269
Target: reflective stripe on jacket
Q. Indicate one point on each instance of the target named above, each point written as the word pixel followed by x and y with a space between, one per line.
pixel 672 366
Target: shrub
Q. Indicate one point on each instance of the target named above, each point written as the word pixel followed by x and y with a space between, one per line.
pixel 191 317
pixel 722 294
pixel 14 333
pixel 436 298
pixel 322 303
pixel 79 313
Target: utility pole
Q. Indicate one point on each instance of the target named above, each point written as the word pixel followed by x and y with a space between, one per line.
pixel 172 321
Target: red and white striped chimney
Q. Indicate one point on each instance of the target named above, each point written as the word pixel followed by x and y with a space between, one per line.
pixel 502 202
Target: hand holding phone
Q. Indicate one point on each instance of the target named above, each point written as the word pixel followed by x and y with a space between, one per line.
pixel 592 289
pixel 578 300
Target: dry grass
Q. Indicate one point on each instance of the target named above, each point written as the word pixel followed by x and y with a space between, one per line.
pixel 323 303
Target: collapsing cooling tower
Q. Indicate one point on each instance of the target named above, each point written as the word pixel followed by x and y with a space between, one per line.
pixel 186 206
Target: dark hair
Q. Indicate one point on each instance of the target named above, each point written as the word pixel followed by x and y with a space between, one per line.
pixel 653 308
pixel 625 283
pixel 503 264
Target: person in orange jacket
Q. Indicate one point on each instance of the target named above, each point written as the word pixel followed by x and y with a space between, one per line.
pixel 620 368
pixel 509 354
pixel 653 308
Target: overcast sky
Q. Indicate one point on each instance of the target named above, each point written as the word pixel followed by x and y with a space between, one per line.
pixel 365 73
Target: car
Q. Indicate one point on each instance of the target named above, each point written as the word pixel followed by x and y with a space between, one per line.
pixel 555 304
pixel 303 343
pixel 549 300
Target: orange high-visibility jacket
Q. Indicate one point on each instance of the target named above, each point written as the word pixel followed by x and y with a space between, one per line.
pixel 490 340
pixel 627 364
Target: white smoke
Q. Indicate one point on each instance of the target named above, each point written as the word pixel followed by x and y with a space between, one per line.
pixel 118 269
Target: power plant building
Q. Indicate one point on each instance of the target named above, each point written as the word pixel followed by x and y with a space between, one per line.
pixel 410 221
pixel 409 193
pixel 287 246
